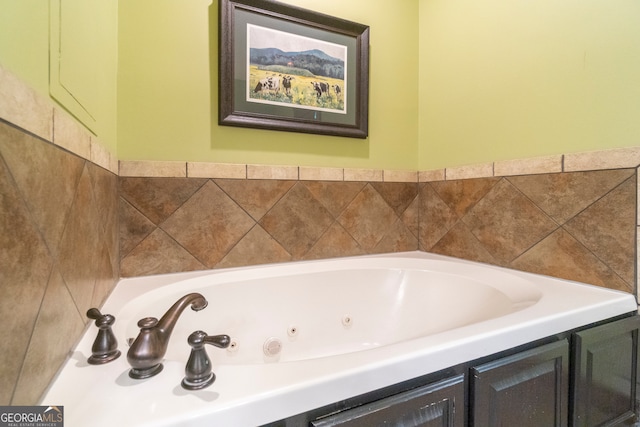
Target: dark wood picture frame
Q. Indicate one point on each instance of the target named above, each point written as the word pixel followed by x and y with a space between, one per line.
pixel 258 89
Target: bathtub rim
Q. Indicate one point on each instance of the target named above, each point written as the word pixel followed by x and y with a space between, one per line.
pixel 309 394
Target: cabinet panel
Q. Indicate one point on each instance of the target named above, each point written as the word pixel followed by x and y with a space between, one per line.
pixel 605 364
pixel 526 389
pixel 435 405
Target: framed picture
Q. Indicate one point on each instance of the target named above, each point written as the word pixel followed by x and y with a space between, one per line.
pixel 286 68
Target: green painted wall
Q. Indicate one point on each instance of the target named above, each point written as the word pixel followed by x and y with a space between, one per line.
pixel 24 41
pixel 453 82
pixel 167 100
pixel 517 79
pixel 91 59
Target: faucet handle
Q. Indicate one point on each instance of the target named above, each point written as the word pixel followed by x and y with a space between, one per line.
pixel 220 341
pixel 101 319
pixel 147 322
pixel 105 346
pixel 198 372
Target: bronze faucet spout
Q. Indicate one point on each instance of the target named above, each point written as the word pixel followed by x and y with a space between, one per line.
pixel 148 349
pixel 168 321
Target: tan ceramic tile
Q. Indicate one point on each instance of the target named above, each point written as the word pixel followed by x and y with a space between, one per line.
pixel 105 195
pixel 158 254
pixel 336 242
pixel 153 169
pixel 134 227
pixel 367 218
pixel 560 255
pixel 157 198
pixel 25 267
pixel 45 174
pixel 507 223
pixel 58 327
pixel 107 203
pixel 256 247
pixel 436 218
pixel 107 273
pixel 334 196
pixel 398 195
pixel 22 106
pixel 482 170
pixel 536 165
pixel 114 164
pixel 255 196
pixel 607 228
pixel 411 217
pixel 637 260
pixel 363 175
pixel 605 159
pixel 562 196
pixel 209 224
pixel 101 156
pixel 638 196
pixel 216 170
pixel 321 174
pixel 272 172
pixel 297 221
pixel 398 239
pixel 400 176
pixel 70 135
pixel 77 261
pixel 431 175
pixel 459 242
pixel 461 195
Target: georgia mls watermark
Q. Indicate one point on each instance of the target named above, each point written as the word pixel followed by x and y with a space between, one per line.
pixel 31 416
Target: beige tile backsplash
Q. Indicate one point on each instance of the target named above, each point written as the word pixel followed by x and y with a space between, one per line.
pixel 60 256
pixel 71 226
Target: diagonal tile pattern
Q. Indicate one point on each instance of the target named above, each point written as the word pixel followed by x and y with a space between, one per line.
pixel 297 221
pixel 513 228
pixel 158 198
pixel 49 187
pixel 578 225
pixel 335 196
pixel 599 228
pixel 158 252
pixel 208 224
pixel 461 195
pixel 256 197
pixel 69 229
pixel 561 255
pixel 59 255
pixel 367 218
pixel 563 195
pixel 230 223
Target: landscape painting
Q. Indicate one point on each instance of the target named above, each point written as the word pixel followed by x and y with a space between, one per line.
pixel 285 68
pixel 296 71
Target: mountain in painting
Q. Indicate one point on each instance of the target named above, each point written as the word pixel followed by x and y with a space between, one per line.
pixel 315 61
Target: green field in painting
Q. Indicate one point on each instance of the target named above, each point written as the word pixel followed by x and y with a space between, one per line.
pixel 302 91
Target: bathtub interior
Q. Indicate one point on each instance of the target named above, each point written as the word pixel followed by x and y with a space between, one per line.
pixel 419 314
pixel 299 316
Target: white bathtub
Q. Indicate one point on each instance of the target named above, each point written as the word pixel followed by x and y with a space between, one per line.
pixel 337 329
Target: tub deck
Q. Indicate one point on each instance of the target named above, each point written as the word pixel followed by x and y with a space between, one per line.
pixel 257 390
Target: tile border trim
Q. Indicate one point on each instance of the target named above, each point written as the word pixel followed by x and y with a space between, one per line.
pixel 617 158
pixel 26 109
pixel 52 124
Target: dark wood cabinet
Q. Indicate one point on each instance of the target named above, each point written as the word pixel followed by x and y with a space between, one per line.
pixel 605 362
pixel 525 389
pixel 581 378
pixel 440 404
